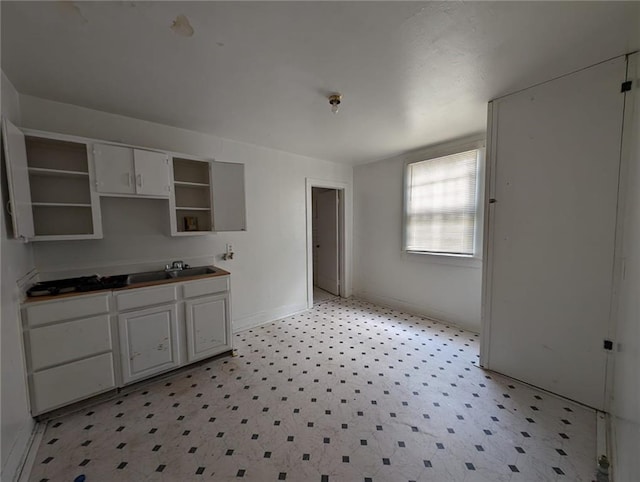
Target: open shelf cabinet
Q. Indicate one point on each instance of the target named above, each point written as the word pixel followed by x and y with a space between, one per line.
pixel 50 187
pixel 192 207
pixel 60 188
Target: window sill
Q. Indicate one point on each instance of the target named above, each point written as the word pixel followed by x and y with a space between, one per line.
pixel 458 260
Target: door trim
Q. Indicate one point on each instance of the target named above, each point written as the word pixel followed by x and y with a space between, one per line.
pixel 345 233
pixel 487 239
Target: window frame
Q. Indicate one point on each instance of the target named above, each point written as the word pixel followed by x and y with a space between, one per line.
pixel 440 150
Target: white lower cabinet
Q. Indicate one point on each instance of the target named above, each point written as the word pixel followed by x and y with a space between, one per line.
pixel 148 342
pixel 69 350
pixel 206 323
pixel 80 346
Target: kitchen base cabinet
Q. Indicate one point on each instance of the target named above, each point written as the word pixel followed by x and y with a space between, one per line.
pixel 148 342
pixel 80 346
pixel 206 323
pixel 69 350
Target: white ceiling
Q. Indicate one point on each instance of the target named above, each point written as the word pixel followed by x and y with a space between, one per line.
pixel 412 73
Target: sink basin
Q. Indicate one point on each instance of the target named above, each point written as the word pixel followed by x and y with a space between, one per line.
pixel 195 271
pixel 147 277
pixel 150 276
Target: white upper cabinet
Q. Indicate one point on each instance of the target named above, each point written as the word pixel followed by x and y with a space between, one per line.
pixel 18 181
pixel 126 171
pixel 50 192
pixel 55 183
pixel 208 196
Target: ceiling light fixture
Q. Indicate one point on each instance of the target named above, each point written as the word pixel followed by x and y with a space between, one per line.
pixel 334 100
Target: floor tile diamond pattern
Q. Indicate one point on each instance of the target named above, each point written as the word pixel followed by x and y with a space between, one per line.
pixel 348 391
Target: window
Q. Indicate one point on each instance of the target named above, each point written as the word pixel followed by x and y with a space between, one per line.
pixel 441 204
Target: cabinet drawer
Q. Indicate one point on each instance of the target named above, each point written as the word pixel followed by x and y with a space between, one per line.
pixel 60 343
pixel 65 384
pixel 138 298
pixel 70 308
pixel 206 287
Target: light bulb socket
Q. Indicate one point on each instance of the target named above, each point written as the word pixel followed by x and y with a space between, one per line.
pixel 334 101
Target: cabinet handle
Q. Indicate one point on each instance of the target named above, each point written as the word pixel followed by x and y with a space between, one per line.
pixel 139 180
pixel 9 210
pixel 129 175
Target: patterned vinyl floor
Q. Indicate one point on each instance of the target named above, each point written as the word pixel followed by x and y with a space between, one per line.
pixel 347 392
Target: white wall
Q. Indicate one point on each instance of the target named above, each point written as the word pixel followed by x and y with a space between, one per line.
pixel 17 260
pixel 446 291
pixel 269 267
pixel 626 385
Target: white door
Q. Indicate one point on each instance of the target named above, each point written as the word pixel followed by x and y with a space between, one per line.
pixel 555 153
pixel 207 333
pixel 18 181
pixel 152 173
pixel 114 169
pixel 327 246
pixel 148 342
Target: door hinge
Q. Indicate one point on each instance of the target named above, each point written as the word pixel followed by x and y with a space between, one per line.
pixel 608 345
pixel 626 86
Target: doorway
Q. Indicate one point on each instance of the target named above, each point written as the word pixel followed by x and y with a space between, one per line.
pixel 325 234
pixel 327 243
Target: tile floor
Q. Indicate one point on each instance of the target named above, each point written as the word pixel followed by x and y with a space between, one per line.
pixel 320 295
pixel 346 392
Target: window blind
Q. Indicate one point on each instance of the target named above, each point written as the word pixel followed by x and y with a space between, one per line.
pixel 441 204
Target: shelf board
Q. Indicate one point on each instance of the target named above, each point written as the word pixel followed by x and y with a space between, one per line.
pixel 63 237
pixel 62 205
pixel 57 172
pixel 183 208
pixel 191 233
pixel 191 184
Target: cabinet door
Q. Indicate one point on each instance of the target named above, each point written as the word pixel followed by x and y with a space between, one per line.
pixel 152 173
pixel 228 197
pixel 148 342
pixel 18 181
pixel 114 169
pixel 207 326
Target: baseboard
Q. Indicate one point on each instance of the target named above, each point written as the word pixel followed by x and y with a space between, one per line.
pixel 267 316
pixel 32 451
pixel 417 310
pixel 603 446
pixel 19 453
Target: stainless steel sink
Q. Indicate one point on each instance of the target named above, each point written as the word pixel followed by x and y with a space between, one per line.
pixel 147 277
pixel 150 276
pixel 195 271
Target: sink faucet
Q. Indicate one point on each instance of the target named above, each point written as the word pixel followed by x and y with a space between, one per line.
pixel 176 266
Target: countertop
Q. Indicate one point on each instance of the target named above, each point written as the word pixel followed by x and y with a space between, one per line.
pixel 219 272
